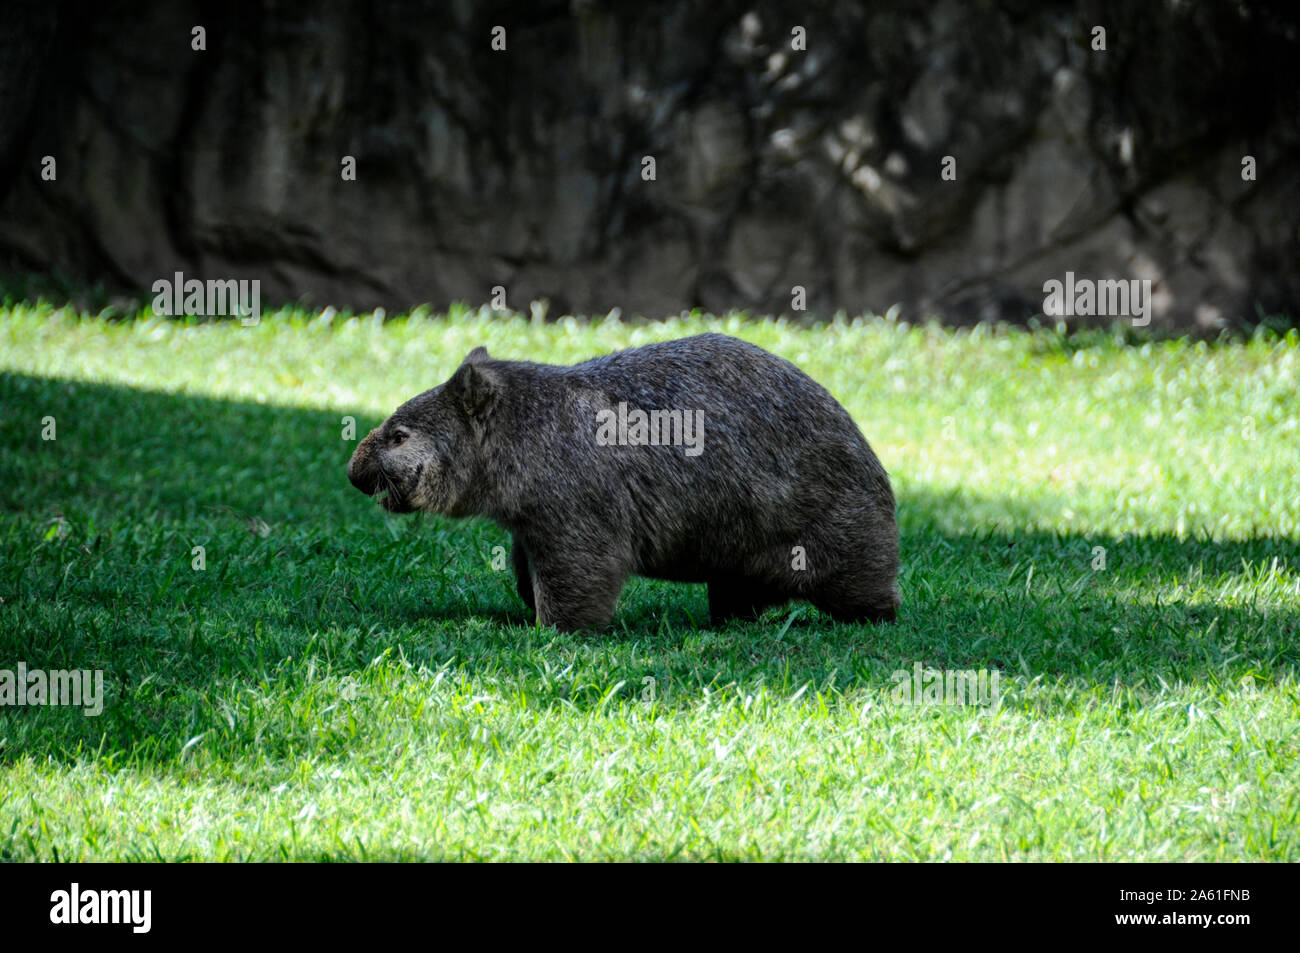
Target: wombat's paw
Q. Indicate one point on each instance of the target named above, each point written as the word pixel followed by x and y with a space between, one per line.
pixel 574 621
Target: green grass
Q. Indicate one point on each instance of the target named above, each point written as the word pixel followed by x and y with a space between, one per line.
pixel 340 683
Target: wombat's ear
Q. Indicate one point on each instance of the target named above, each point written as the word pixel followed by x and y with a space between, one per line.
pixel 474 387
pixel 477 355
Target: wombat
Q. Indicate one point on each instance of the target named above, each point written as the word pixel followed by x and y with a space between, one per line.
pixel 704 459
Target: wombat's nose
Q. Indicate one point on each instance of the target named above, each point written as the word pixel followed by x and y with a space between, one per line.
pixel 364 480
pixel 360 471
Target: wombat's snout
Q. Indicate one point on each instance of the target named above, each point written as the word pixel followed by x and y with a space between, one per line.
pixel 361 469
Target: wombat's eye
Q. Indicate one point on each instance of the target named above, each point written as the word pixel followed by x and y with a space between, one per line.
pixel 397 438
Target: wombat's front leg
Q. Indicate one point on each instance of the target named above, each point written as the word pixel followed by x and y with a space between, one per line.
pixel 577 594
pixel 523 574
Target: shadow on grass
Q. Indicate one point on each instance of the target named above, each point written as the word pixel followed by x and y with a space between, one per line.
pixel 303 575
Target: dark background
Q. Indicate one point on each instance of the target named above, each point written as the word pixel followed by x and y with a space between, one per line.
pixel 775 168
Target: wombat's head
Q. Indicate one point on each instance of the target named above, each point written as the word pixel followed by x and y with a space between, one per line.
pixel 427 455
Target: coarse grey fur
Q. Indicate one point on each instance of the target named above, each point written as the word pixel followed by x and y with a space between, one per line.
pixel 783 471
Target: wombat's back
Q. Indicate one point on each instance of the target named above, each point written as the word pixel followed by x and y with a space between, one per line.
pixel 782 464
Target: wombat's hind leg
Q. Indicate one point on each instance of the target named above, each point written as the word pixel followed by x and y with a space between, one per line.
pixel 736 597
pixel 857 603
pixel 523 574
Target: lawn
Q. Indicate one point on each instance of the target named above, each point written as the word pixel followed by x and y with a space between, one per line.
pixel 1112 525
